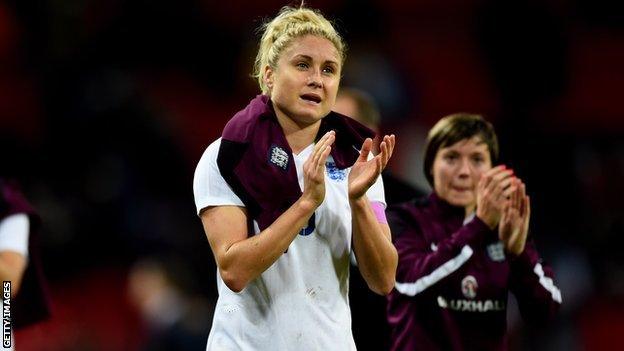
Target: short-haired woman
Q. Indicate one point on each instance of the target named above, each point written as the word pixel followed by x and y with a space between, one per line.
pixel 463 248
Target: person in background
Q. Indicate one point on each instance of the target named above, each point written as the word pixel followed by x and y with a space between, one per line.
pixel 462 249
pixel 287 193
pixel 370 329
pixel 19 258
pixel 175 319
pixel 360 106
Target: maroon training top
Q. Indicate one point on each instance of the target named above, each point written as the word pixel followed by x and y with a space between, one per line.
pixel 453 281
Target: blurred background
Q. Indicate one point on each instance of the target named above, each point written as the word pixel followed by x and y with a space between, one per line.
pixel 107 105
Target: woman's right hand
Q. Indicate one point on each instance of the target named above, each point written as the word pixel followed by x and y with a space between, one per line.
pixel 314 171
pixel 493 190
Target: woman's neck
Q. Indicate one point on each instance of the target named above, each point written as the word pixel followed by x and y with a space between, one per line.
pixel 469 210
pixel 299 136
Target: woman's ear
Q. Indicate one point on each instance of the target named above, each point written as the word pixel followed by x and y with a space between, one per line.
pixel 268 76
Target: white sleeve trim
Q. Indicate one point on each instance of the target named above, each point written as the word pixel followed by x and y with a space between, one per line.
pixel 547 283
pixel 14 234
pixel 411 289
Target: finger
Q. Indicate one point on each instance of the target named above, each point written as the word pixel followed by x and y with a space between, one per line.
pixel 320 163
pixel 505 183
pixel 389 141
pixel 495 190
pixel 488 176
pixel 498 183
pixel 509 192
pixel 327 140
pixel 365 150
pixel 329 137
pixel 383 147
pixel 522 196
pixel 379 167
pixel 504 223
pixel 320 148
pixel 502 175
pixel 517 197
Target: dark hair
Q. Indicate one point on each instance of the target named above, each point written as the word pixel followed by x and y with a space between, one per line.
pixel 456 127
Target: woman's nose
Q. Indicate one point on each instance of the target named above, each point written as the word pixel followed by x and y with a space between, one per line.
pixel 464 168
pixel 314 79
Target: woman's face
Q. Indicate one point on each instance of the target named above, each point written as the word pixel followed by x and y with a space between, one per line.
pixel 457 169
pixel 304 84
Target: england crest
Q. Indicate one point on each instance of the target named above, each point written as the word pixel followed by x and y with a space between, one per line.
pixel 278 157
pixel 334 172
pixel 496 251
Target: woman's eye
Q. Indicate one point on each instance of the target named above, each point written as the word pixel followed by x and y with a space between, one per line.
pixel 328 70
pixel 450 157
pixel 302 65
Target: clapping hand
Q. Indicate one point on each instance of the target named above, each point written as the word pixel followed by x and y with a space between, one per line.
pixel 314 170
pixel 364 172
pixel 514 223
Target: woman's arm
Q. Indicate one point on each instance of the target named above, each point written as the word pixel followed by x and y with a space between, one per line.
pixel 376 256
pixel 14 232
pixel 241 258
pixel 421 264
pixel 531 279
pixel 532 283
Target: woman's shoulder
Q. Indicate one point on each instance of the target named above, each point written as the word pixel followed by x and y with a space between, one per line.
pixel 242 125
pixel 207 163
pixel 406 217
pixel 413 207
pixel 211 152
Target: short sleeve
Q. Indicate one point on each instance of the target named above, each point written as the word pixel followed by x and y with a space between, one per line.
pixel 209 187
pixel 14 231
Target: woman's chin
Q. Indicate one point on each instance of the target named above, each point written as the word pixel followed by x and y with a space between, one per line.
pixel 461 201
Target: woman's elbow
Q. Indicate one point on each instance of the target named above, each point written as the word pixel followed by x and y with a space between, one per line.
pixel 383 288
pixel 233 281
pixel 384 284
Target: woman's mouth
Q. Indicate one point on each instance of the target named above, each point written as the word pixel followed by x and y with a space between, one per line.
pixel 313 98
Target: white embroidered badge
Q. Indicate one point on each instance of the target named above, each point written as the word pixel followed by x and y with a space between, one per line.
pixel 278 157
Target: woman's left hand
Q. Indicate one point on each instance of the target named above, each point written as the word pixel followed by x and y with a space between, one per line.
pixel 513 227
pixel 364 172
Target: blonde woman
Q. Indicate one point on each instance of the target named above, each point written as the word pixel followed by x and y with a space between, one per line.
pixel 287 193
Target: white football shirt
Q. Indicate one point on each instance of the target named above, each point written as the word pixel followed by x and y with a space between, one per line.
pixel 301 301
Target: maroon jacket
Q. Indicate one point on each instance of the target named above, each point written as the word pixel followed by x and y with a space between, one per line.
pixel 32 302
pixel 453 281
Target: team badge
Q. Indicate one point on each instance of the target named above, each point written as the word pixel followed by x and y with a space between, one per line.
pixel 278 157
pixel 469 286
pixel 334 172
pixel 496 252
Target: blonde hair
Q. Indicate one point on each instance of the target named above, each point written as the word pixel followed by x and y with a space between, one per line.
pixel 291 23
